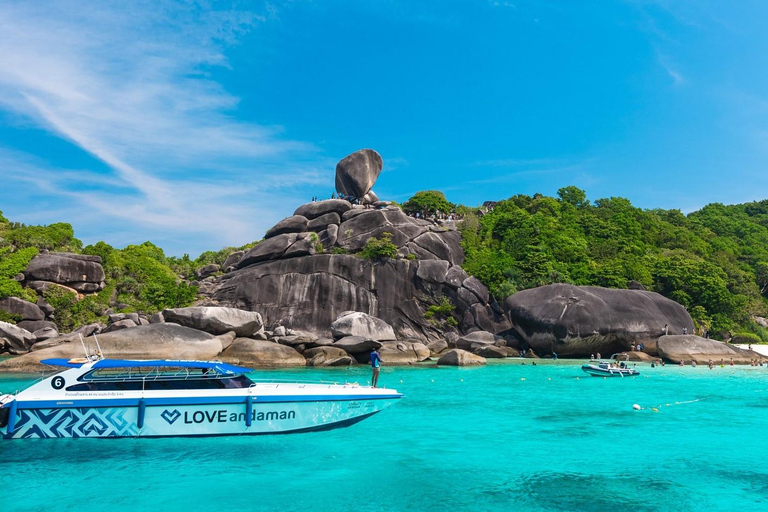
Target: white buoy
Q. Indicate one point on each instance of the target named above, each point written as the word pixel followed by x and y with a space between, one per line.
pixel 636 407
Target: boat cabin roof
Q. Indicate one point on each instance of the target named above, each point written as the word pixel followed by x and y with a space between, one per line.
pixel 217 366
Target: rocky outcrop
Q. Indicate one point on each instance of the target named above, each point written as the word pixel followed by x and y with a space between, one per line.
pixel 232 260
pixel 356 173
pixel 35 325
pixel 309 293
pixel 458 357
pixel 292 224
pixel 576 321
pixel 403 352
pixel 21 308
pixel 356 344
pixel 259 353
pixel 14 339
pixel 156 341
pixel 303 275
pixel 478 338
pixel 327 356
pixel 687 348
pixel 80 272
pixel 207 271
pixel 216 320
pixel 353 323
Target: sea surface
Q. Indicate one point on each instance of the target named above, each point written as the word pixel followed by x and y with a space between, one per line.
pixel 502 437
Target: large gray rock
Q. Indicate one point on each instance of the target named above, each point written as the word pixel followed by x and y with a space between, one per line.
pixel 403 352
pixel 207 271
pixel 328 236
pixel 356 173
pixel 476 338
pixel 259 353
pixel 363 325
pixel 16 339
pixel 437 346
pixel 356 344
pixel 46 333
pixel 89 329
pixel 156 341
pixel 35 325
pixel 232 259
pixel 126 323
pixel 65 268
pixel 443 245
pixel 490 351
pixel 327 356
pixel 309 293
pixel 455 277
pixel 433 271
pixel 292 224
pixel 458 357
pixel 26 310
pixel 355 231
pixel 270 249
pixel 576 321
pixel 216 320
pixel 688 347
pixel 317 209
pixel 322 222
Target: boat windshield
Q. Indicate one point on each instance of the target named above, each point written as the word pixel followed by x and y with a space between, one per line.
pixel 152 373
pixel 158 378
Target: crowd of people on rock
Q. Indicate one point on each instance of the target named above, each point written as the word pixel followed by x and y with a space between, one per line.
pixel 451 217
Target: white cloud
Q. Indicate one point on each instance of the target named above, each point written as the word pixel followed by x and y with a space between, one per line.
pixel 130 84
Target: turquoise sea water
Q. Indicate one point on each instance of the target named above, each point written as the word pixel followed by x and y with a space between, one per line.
pixel 469 439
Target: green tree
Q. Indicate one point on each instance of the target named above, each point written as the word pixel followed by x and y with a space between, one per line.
pixel 573 195
pixel 379 248
pixel 428 203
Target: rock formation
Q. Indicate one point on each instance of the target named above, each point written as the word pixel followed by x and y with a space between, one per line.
pixel 77 271
pixel 305 273
pixel 216 320
pixel 356 174
pixel 21 308
pixel 687 348
pixel 250 352
pixel 459 357
pixel 352 323
pixel 582 320
pixel 156 341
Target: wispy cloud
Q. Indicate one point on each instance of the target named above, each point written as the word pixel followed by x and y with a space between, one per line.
pixel 132 84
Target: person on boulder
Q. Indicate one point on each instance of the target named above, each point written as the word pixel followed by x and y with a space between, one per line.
pixel 375 366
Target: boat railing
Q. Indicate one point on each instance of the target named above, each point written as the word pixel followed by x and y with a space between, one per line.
pixel 278 382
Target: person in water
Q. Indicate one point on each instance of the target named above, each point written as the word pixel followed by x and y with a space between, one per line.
pixel 375 366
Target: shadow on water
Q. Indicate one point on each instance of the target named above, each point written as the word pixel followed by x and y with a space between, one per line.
pixel 573 491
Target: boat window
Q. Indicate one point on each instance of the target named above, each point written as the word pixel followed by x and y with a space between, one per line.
pixel 240 381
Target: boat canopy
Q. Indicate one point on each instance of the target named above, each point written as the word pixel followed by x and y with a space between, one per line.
pixel 218 366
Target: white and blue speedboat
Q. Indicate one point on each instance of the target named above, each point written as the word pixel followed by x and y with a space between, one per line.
pixel 615 367
pixel 95 397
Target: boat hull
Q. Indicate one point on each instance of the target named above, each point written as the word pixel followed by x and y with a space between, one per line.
pixel 144 419
pixel 609 372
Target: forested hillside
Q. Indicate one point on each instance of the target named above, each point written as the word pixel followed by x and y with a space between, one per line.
pixel 138 278
pixel 713 261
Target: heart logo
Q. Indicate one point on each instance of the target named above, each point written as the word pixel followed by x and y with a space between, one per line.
pixel 170 416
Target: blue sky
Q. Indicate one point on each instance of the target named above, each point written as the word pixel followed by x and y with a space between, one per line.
pixel 197 125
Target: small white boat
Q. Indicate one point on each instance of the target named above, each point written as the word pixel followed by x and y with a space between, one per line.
pixel 615 367
pixel 95 397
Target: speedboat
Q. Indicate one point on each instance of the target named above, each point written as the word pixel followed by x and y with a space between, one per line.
pixel 97 397
pixel 615 367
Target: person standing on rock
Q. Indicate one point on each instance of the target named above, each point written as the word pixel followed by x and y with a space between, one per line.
pixel 375 366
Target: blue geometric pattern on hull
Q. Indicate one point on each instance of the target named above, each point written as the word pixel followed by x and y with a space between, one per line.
pixel 42 423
